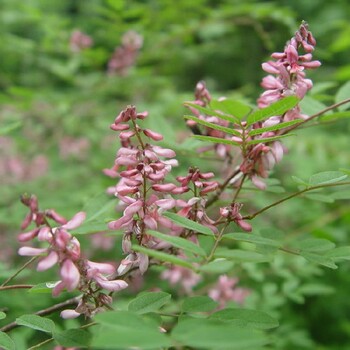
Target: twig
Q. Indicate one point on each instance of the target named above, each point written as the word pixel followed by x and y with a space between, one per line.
pixel 252 216
pixel 19 271
pixel 17 286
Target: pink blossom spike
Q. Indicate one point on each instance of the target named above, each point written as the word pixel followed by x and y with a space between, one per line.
pixel 102 267
pixel 68 314
pixel 70 275
pixel 27 236
pixel 164 152
pixel 48 261
pixel 75 222
pixel 164 187
pixel 113 286
pixel 45 234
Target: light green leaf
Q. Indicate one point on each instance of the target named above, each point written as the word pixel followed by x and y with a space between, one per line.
pixel 90 227
pixel 246 318
pixel 97 206
pixel 326 177
pixel 319 259
pixel 124 330
pixel 216 140
pixel 179 242
pixel 231 107
pixel 342 94
pixel 163 256
pixel 192 225
pixel 315 289
pixel 340 195
pixel 310 106
pixel 268 139
pixel 148 302
pixel 334 116
pixel 276 109
pixel 2 315
pixel 198 304
pixel 274 127
pixel 319 197
pixel 339 253
pixel 213 334
pixel 313 245
pixel 252 238
pixel 36 322
pixel 7 128
pixel 6 342
pixel 209 112
pixel 73 338
pixel 300 181
pixel 218 266
pixel 239 255
pixel 224 129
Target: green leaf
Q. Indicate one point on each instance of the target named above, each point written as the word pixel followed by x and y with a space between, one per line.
pixel 340 195
pixel 274 127
pixel 334 116
pixel 342 94
pixel 6 129
pixel 163 256
pixel 210 112
pixel 246 318
pixel 231 107
pixel 218 266
pixel 92 227
pixel 224 129
pixel 192 225
pixel 313 245
pixel 124 330
pixel 310 106
pixel 315 289
pixel 6 342
pixel 179 242
pixel 198 304
pixel 73 338
pixel 319 259
pixel 148 302
pixel 239 255
pixel 326 177
pixel 339 253
pixel 275 109
pixel 216 140
pixel 213 334
pixel 96 206
pixel 2 315
pixel 268 139
pixel 41 288
pixel 36 322
pixel 319 197
pixel 300 181
pixel 252 238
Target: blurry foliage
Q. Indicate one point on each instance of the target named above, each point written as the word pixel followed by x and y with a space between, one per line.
pixel 50 95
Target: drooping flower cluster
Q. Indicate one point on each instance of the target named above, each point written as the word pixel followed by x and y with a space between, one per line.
pixel 226 290
pixel 80 41
pixel 76 272
pixel 124 56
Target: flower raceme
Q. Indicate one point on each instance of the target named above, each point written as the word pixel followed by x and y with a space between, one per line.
pixel 76 272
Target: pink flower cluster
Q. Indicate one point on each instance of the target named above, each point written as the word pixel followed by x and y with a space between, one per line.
pixel 125 55
pixel 80 41
pixel 63 249
pixel 226 290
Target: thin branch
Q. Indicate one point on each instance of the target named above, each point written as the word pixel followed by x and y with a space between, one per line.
pixel 17 286
pixel 45 312
pixel 252 216
pixel 217 241
pixel 19 271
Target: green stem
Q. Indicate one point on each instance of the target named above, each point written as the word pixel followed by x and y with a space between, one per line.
pixel 19 271
pixel 17 286
pixel 217 241
pixel 252 216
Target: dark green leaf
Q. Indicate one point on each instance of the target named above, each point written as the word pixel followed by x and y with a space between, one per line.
pixel 36 322
pixel 2 315
pixel 231 107
pixel 252 238
pixel 216 140
pixel 192 225
pixel 342 94
pixel 218 266
pixel 41 288
pixel 73 338
pixel 148 302
pixel 276 109
pixel 198 304
pixel 179 242
pixel 246 318
pixel 313 245
pixel 213 334
pixel 238 255
pixel 6 342
pixel 230 131
pixel 163 256
pixel 274 127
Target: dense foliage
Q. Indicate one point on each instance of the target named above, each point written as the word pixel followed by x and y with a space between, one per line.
pixel 214 241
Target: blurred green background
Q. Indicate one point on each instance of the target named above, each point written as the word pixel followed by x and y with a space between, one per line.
pixel 58 98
